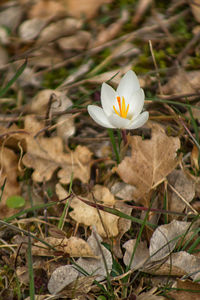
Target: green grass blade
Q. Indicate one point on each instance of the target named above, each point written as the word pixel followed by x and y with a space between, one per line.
pixel 15 228
pixel 112 139
pixel 30 271
pixel 62 218
pixel 28 210
pixel 2 188
pixel 173 102
pixel 13 79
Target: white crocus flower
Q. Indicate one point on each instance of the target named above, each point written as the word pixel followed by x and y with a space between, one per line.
pixel 121 108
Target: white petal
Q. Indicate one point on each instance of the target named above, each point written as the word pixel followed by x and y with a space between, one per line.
pixel 108 96
pixel 119 122
pixel 139 121
pixel 136 103
pixel 98 115
pixel 128 84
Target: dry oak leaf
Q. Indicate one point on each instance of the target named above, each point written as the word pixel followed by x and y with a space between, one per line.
pixel 151 161
pixel 8 171
pixel 89 216
pixel 83 8
pixel 75 247
pixel 46 155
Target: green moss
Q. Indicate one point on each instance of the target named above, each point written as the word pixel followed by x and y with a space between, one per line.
pixel 194 62
pixel 180 29
pixel 54 78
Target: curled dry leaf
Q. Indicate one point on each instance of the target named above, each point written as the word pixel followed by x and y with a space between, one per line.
pixel 45 155
pixel 165 238
pixel 106 224
pixel 151 161
pixel 185 186
pixel 74 247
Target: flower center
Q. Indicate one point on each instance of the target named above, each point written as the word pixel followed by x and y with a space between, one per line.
pixel 123 110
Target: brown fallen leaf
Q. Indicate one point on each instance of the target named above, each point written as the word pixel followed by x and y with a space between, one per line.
pixel 30 29
pixel 46 155
pixel 79 287
pixel 150 295
pixel 185 186
pixel 178 264
pixel 141 8
pixel 81 8
pixel 195 158
pixel 195 7
pixel 109 33
pixel 8 171
pixel 46 9
pixel 96 266
pixel 107 224
pixel 40 102
pixel 61 278
pixel 58 29
pixel 74 247
pixel 165 238
pixel 186 290
pixel 78 41
pixel 151 161
pixel 123 226
pixel 182 83
pixel 140 257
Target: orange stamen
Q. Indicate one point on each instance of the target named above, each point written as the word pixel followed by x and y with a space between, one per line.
pixel 123 111
pixel 119 103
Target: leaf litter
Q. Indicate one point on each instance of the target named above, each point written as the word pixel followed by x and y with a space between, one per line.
pixel 52 151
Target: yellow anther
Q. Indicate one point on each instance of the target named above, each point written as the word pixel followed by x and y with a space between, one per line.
pixel 123 110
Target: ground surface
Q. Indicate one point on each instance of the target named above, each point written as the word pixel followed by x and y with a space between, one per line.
pixel 83 216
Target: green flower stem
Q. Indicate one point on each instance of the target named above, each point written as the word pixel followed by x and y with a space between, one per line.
pixel 113 142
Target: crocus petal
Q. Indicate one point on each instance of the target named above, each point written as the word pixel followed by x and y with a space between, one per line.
pixel 108 96
pixel 119 122
pixel 139 121
pixel 98 115
pixel 136 103
pixel 128 85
